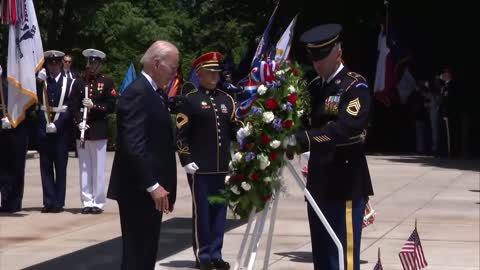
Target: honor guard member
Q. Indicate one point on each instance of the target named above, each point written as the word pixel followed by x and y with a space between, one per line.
pixel 205 123
pixel 98 98
pixel 53 129
pixel 338 176
pixel 13 148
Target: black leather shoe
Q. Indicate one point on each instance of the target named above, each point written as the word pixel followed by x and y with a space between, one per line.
pixel 9 210
pixel 56 210
pixel 86 210
pixel 95 210
pixel 46 209
pixel 220 264
pixel 206 266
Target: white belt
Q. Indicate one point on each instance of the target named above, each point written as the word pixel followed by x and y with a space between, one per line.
pixel 55 109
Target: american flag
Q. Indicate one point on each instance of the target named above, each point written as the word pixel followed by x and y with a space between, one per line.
pixel 411 255
pixel 378 266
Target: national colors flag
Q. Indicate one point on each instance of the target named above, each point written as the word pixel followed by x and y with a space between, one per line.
pixel 384 73
pixel 25 58
pixel 411 255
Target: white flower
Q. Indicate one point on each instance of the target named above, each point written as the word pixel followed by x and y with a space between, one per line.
pixel 300 113
pixel 275 144
pixel 268 117
pixel 267 179
pixel 246 186
pixel 283 107
pixel 264 162
pixel 235 190
pixel 292 89
pixel 227 179
pixel 262 89
pixel 280 72
pixel 237 157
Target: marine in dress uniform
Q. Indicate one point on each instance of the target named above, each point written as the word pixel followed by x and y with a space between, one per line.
pixel 13 148
pixel 338 176
pixel 92 153
pixel 205 124
pixel 54 93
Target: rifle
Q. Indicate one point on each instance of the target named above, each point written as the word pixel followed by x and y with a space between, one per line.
pixel 84 121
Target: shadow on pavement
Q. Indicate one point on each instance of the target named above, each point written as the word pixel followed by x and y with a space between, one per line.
pixel 460 164
pixel 297 256
pixel 174 237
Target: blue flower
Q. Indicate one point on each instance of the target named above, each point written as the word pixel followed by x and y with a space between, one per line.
pixel 277 124
pixel 289 107
pixel 256 110
pixel 249 156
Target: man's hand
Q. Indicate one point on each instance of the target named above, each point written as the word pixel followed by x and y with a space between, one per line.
pixel 191 168
pixel 160 198
pixel 42 75
pixel 6 123
pixel 87 103
pixel 51 128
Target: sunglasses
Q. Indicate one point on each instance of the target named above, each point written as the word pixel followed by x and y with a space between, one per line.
pixel 67 61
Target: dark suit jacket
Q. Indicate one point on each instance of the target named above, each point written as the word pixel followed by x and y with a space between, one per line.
pixel 145 152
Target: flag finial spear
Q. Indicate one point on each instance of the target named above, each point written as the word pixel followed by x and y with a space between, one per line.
pixel 379 255
pixel 415 223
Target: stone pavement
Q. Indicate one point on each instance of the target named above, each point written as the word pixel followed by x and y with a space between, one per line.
pixel 443 195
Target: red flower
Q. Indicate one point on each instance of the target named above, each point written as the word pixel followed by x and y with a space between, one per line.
pixel 273 156
pixel 254 177
pixel 240 178
pixel 248 146
pixel 292 98
pixel 294 71
pixel 271 104
pixel 265 139
pixel 288 124
pixel 267 197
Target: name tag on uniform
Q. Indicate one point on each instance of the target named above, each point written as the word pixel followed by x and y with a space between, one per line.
pixel 224 108
pixel 331 104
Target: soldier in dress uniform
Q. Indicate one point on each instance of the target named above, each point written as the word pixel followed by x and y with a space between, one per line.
pixel 338 175
pixel 13 148
pixel 55 96
pixel 99 101
pixel 205 127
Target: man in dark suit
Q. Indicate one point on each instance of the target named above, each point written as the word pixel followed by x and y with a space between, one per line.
pixel 67 70
pixel 143 179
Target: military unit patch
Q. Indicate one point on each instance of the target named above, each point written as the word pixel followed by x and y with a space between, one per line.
pixel 182 119
pixel 331 104
pixel 353 107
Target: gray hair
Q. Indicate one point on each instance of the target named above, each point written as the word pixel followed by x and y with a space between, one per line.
pixel 158 51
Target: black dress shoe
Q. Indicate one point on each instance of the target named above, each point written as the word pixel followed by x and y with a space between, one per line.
pixel 86 210
pixel 95 210
pixel 220 264
pixel 56 210
pixel 206 266
pixel 46 209
pixel 9 210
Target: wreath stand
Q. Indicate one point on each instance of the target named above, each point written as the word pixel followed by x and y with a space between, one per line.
pixel 260 218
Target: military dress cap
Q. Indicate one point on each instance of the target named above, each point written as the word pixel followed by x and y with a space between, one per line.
pixel 53 56
pixel 94 54
pixel 209 61
pixel 321 39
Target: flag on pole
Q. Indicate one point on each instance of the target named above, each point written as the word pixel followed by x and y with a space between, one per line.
pixel 284 44
pixel 411 255
pixel 384 73
pixel 25 58
pixel 378 266
pixel 264 41
pixel 130 76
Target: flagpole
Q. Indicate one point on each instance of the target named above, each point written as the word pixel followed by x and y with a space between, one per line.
pixel 2 97
pixel 379 260
pixel 415 223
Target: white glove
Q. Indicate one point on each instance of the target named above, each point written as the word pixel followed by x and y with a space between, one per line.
pixel 1 70
pixel 191 168
pixel 6 124
pixel 83 126
pixel 87 103
pixel 51 128
pixel 42 75
pixel 305 156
